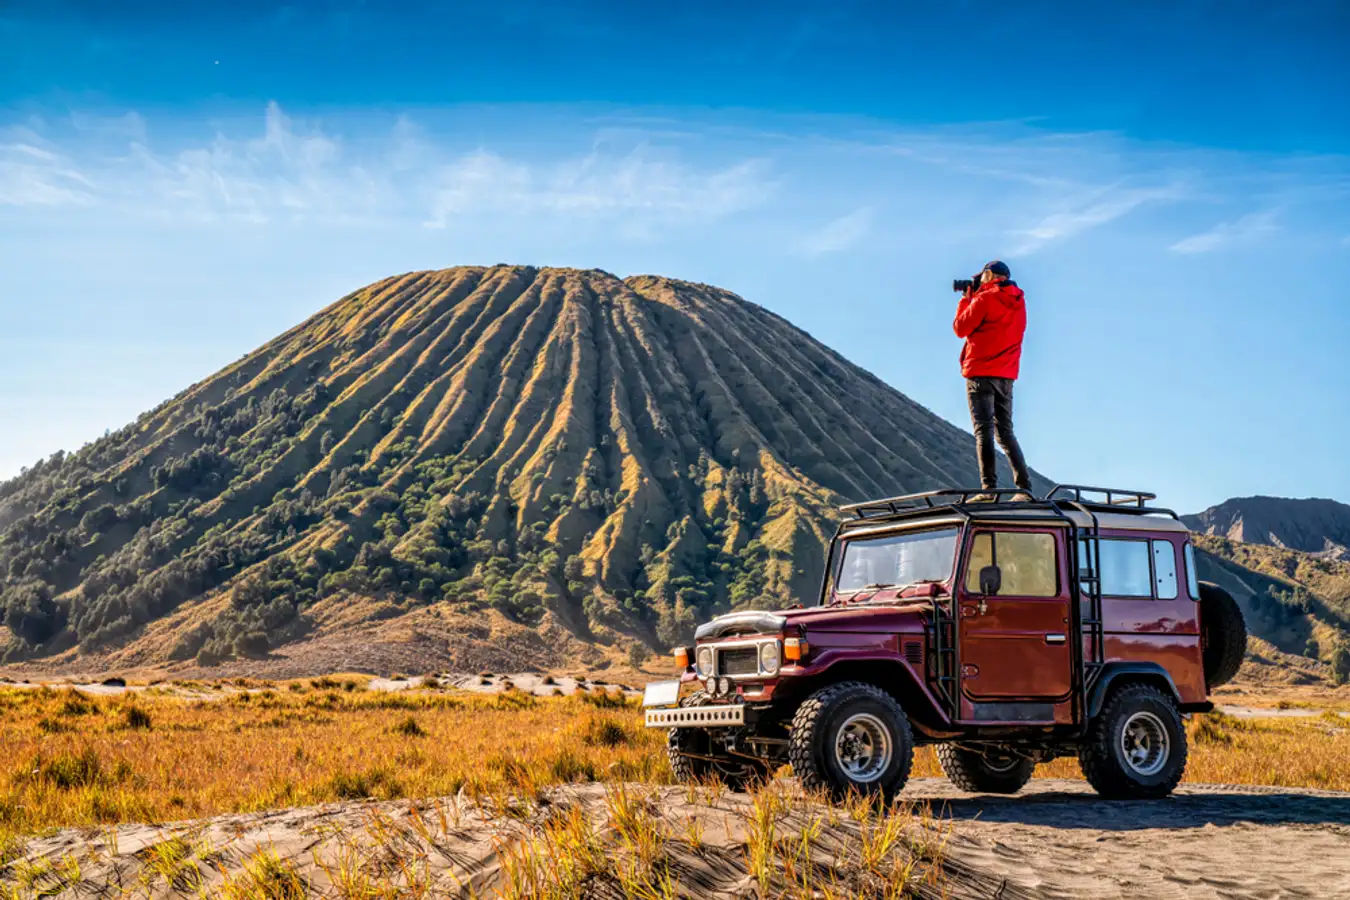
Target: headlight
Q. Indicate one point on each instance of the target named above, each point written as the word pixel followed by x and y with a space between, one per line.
pixel 704 658
pixel 768 658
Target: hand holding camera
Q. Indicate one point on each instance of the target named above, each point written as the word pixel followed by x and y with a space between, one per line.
pixel 967 286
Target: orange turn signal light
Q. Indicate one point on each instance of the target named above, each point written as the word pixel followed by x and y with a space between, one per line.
pixel 795 648
pixel 681 657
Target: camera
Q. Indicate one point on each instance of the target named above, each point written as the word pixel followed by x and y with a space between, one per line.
pixel 961 285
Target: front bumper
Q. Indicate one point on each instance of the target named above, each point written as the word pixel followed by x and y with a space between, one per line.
pixel 718 716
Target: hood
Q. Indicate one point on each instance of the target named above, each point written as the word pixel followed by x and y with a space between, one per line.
pixel 884 614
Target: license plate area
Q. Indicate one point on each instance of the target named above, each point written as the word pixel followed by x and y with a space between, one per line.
pixel 661 693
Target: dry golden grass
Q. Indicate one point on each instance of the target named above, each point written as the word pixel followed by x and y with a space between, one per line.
pixel 1311 752
pixel 72 759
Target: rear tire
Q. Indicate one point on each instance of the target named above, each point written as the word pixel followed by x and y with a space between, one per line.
pixel 1136 747
pixel 990 772
pixel 1223 634
pixel 737 775
pixel 851 736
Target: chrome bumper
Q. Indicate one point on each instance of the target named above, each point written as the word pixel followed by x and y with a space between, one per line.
pixel 697 717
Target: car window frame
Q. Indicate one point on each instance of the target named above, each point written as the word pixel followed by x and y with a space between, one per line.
pixel 837 566
pixel 963 575
pixel 1148 543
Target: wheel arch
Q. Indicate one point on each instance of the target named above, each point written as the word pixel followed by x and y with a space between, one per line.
pixel 1118 674
pixel 890 675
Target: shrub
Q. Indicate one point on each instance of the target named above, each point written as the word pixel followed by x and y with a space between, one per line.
pixel 605 732
pixel 1340 665
pixel 604 700
pixel 69 770
pixel 361 785
pixel 410 728
pixel 136 718
pixel 567 767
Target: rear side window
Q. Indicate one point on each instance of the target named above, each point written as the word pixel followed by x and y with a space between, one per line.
pixel 1026 562
pixel 1192 580
pixel 1165 570
pixel 1125 569
pixel 1143 569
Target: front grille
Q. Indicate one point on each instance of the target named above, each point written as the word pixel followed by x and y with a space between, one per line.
pixel 740 661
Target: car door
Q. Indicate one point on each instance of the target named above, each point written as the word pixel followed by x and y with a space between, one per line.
pixel 1014 616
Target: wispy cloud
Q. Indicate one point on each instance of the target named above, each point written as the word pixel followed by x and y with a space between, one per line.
pixel 32 173
pixel 1097 208
pixel 840 234
pixel 637 183
pixel 289 171
pixel 550 172
pixel 1242 230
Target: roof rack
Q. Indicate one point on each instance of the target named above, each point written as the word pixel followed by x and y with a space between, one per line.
pixel 962 500
pixel 1115 497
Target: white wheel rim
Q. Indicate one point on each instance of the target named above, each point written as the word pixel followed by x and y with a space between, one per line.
pixel 1144 744
pixel 862 748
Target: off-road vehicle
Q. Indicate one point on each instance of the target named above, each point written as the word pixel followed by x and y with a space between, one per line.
pixel 1006 630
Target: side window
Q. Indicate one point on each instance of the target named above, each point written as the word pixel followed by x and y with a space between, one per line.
pixel 1192 579
pixel 1165 570
pixel 1125 569
pixel 1026 563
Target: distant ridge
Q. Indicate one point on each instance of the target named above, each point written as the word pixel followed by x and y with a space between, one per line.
pixel 1313 526
pixel 467 467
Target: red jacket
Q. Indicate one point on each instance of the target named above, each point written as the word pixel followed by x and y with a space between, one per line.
pixel 992 321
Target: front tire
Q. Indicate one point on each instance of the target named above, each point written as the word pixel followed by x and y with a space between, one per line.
pixel 851 736
pixel 989 772
pixel 687 747
pixel 1136 747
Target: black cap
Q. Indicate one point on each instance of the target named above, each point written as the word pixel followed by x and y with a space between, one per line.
pixel 998 267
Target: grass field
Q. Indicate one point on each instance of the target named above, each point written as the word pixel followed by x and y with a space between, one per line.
pixel 157 755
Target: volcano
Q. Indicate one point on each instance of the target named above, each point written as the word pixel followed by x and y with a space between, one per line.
pixel 505 464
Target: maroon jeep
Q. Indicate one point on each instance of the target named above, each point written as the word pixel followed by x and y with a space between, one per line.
pixel 1006 630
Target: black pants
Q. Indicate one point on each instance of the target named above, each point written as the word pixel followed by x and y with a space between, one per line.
pixel 991 413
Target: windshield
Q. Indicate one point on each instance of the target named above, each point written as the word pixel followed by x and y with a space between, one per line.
pixel 897 559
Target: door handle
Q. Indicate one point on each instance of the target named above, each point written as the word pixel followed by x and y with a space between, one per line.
pixel 1055 638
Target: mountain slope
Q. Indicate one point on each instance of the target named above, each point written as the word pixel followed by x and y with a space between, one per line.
pixel 1297 602
pixel 505 452
pixel 1312 525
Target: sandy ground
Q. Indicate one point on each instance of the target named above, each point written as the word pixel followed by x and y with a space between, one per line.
pixel 482 683
pixel 1055 840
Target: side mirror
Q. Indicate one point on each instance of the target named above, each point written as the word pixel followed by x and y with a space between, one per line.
pixel 991 579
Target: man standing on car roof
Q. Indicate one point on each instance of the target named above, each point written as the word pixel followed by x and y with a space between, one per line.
pixel 992 318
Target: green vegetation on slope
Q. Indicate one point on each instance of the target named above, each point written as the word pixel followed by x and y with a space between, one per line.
pixel 617 457
pixel 1298 602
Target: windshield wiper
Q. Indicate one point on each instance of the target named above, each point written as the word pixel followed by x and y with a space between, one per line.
pixel 883 587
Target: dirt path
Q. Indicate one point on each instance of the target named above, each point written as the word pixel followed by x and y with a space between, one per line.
pixel 1055 840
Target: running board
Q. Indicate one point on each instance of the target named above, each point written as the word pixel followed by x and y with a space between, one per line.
pixel 697 717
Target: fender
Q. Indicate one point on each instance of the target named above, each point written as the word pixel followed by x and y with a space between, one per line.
pixel 887 671
pixel 1148 672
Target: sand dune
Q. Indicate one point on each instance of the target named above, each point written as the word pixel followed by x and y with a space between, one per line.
pixel 1054 840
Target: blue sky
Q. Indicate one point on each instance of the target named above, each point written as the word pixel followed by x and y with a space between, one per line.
pixel 1169 182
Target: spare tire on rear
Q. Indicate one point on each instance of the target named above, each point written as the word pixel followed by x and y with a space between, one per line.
pixel 1223 634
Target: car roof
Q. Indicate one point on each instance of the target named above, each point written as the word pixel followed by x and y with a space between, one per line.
pixel 1010 515
pixel 1079 505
